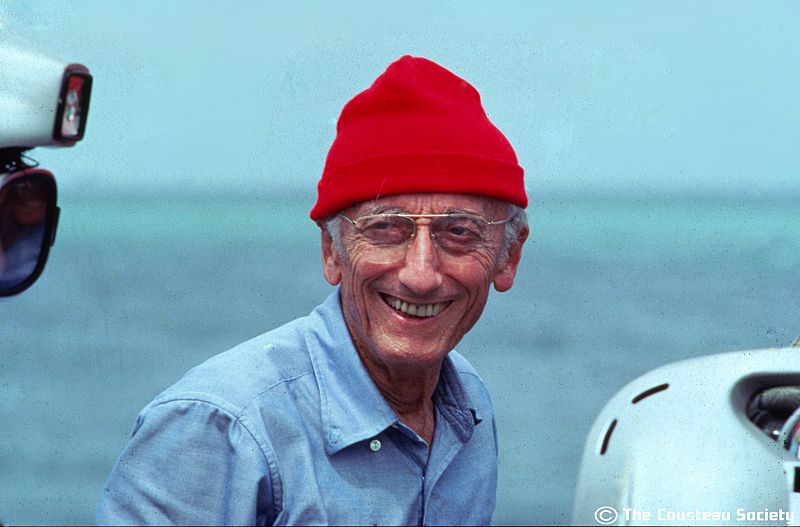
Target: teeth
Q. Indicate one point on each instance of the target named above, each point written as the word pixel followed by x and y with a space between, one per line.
pixel 415 310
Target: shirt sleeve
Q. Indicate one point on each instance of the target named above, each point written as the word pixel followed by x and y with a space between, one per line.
pixel 189 462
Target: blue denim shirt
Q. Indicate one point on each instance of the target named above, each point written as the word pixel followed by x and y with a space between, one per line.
pixel 289 428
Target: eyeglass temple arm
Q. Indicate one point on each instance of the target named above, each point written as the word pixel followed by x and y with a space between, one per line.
pixel 348 219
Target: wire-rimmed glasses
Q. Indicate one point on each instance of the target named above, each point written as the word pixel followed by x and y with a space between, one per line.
pixel 388 235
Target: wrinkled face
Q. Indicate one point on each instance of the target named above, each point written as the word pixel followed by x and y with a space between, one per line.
pixel 410 313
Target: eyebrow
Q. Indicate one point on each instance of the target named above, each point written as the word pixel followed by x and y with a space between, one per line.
pixel 454 210
pixel 382 209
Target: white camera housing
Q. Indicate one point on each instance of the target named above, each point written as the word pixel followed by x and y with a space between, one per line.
pixel 43 102
pixel 676 447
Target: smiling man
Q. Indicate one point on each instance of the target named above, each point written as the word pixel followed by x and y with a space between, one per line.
pixel 361 412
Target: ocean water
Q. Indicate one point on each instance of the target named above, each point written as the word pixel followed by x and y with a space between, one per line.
pixel 139 290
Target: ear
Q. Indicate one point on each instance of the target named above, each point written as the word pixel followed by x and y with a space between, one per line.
pixel 330 260
pixel 504 277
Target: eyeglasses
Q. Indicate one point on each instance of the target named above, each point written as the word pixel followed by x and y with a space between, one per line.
pixel 387 235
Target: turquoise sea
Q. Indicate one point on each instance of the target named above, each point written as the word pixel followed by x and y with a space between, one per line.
pixel 138 290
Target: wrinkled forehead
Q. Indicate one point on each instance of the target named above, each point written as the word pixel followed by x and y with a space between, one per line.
pixel 432 203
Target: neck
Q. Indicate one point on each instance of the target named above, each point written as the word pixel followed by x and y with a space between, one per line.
pixel 409 392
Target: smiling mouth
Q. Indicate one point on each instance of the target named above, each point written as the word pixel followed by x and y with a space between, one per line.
pixel 415 310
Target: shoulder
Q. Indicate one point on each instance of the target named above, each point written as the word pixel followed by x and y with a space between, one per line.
pixel 209 433
pixel 233 379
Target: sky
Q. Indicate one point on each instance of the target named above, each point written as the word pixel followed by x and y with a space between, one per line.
pixel 613 97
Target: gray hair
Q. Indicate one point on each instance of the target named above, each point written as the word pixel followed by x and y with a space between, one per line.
pixel 518 222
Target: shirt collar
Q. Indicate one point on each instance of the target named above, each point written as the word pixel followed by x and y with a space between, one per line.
pixel 453 402
pixel 352 407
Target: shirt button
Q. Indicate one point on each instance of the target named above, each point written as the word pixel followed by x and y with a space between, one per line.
pixel 374 445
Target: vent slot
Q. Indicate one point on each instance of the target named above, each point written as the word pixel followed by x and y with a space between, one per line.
pixel 652 391
pixel 796 479
pixel 607 438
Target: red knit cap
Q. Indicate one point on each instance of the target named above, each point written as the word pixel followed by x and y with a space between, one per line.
pixel 418 128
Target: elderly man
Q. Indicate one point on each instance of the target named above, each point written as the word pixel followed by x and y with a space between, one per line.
pixel 359 413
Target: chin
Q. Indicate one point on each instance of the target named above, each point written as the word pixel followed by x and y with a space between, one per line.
pixel 408 353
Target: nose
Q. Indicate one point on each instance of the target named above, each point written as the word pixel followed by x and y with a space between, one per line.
pixel 421 266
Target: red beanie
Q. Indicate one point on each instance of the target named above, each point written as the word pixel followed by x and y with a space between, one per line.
pixel 418 128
